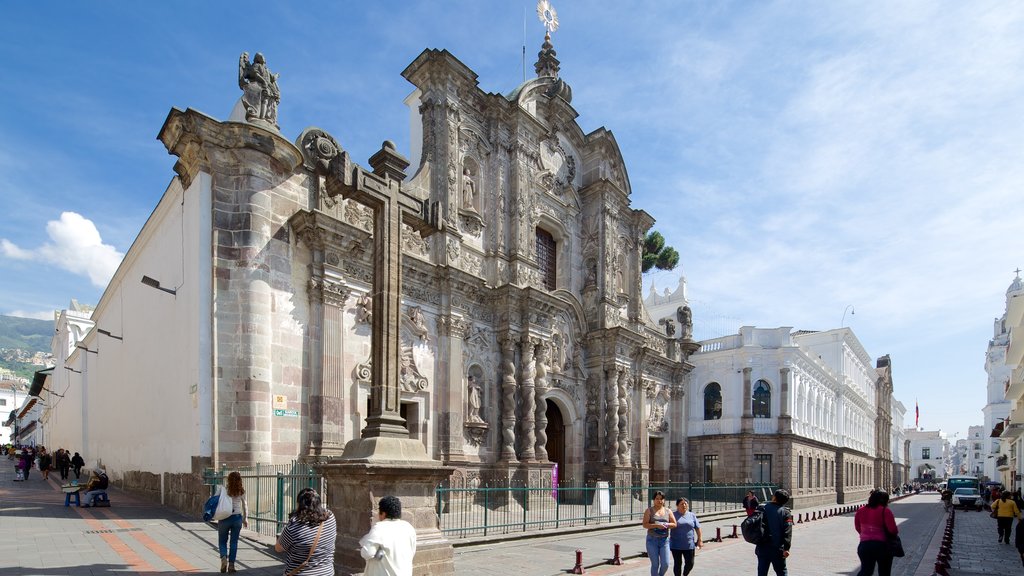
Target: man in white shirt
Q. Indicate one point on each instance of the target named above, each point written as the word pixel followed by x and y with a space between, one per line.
pixel 391 543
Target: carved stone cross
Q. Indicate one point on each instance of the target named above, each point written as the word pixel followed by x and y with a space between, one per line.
pixel 381 190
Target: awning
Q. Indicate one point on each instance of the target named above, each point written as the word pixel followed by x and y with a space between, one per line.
pixel 31 403
pixel 38 380
pixel 25 430
pixel 997 430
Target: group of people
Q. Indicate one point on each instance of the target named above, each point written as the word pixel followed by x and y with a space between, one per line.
pixel 678 533
pixel 28 457
pixel 308 539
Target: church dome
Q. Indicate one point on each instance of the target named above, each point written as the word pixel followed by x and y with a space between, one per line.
pixel 1016 286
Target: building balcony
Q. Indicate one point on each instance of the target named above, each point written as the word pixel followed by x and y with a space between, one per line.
pixel 1003 463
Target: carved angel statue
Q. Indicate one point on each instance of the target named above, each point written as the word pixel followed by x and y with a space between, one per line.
pixel 260 93
pixel 685 317
pixel 670 326
pixel 418 322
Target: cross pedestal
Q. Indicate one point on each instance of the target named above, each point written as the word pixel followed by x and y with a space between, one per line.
pixel 354 488
pixel 384 460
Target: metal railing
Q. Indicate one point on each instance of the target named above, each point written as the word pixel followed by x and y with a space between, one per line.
pixel 488 511
pixel 270 491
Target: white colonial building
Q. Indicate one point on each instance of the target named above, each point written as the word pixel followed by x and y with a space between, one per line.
pixel 792 408
pixel 929 455
pixel 900 450
pixel 1010 375
pixel 977 443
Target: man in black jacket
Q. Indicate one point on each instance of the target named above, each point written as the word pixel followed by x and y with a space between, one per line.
pixel 774 547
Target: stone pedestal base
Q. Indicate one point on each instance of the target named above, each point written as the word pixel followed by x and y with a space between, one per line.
pixel 376 467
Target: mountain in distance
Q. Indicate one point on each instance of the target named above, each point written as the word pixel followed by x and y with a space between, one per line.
pixel 26 334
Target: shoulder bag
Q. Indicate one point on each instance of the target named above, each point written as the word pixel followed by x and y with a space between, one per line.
pixel 312 549
pixel 995 507
pixel 894 541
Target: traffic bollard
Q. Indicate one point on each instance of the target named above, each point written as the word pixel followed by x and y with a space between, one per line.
pixel 617 559
pixel 734 534
pixel 718 534
pixel 578 568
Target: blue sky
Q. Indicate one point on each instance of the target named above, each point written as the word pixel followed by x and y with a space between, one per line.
pixel 801 156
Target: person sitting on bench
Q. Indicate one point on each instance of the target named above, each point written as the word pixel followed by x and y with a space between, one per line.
pixel 97 485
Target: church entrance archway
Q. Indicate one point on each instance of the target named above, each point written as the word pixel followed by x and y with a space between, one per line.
pixel 556 438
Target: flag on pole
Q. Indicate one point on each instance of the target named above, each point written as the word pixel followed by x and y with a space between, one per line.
pixel 917 415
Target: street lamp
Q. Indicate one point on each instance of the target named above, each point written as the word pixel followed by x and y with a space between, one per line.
pixel 849 307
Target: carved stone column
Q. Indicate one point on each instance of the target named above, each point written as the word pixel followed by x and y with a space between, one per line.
pixel 677 431
pixel 508 401
pixel 454 331
pixel 540 412
pixel 623 421
pixel 327 296
pixel 747 422
pixel 527 401
pixel 611 415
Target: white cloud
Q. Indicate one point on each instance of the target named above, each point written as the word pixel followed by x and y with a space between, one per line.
pixel 43 315
pixel 75 246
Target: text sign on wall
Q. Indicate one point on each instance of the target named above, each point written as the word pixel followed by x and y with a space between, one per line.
pixel 289 413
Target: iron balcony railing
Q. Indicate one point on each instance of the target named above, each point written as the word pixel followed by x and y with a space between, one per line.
pixel 270 491
pixel 489 511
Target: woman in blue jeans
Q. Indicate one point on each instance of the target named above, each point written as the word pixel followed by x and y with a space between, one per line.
pixel 658 520
pixel 231 526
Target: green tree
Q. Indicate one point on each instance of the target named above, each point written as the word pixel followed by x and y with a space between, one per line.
pixel 657 255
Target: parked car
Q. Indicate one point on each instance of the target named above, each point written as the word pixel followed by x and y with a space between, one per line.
pixel 967 498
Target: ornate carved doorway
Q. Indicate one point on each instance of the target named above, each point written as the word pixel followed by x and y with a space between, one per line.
pixel 556 439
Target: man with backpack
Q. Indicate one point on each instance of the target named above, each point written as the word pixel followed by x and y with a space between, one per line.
pixel 773 548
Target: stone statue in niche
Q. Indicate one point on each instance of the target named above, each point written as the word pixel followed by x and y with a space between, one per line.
pixel 473 415
pixel 685 317
pixel 418 323
pixel 260 94
pixel 468 190
pixel 364 309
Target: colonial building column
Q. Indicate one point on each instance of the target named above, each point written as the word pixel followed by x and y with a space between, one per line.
pixel 327 296
pixel 453 331
pixel 785 420
pixel 508 400
pixel 540 412
pixel 623 421
pixel 611 424
pixel 527 401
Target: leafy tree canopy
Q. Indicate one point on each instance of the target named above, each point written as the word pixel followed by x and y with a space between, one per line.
pixel 657 254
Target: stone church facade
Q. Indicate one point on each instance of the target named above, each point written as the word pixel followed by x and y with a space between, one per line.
pixel 523 340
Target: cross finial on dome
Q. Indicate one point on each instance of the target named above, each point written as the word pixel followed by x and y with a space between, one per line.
pixel 547 63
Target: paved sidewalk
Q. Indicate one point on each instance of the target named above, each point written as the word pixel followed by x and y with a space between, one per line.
pixel 975 550
pixel 39 536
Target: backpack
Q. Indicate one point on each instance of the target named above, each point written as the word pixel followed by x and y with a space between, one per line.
pixel 753 527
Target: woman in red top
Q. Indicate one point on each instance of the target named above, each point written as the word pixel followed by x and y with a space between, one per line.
pixel 875 523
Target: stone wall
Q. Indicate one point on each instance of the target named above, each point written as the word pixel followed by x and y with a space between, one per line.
pixel 184 492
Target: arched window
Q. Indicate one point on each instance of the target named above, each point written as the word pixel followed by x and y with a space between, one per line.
pixel 547 259
pixel 762 400
pixel 713 402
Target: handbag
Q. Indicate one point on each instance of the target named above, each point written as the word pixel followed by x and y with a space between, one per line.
pixel 312 549
pixel 223 505
pixel 893 540
pixel 210 507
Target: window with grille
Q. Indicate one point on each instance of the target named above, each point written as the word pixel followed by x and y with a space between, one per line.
pixel 762 400
pixel 763 468
pixel 710 467
pixel 546 258
pixel 713 402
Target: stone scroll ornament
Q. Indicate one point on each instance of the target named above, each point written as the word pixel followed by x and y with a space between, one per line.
pixel 260 94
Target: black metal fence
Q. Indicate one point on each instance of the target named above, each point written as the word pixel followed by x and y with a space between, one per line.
pixel 270 491
pixel 488 511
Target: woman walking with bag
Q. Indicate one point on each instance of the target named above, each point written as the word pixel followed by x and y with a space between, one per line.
pixel 658 520
pixel 1004 511
pixel 876 525
pixel 309 537
pixel 231 527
